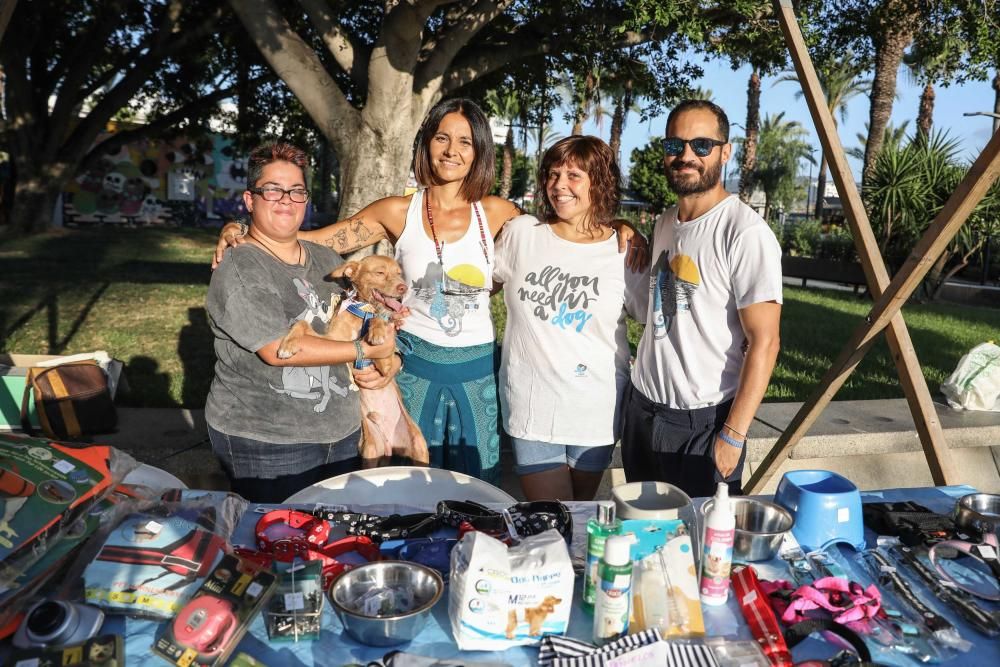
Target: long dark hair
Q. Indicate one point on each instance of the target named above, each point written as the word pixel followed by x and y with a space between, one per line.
pixel 479 181
pixel 593 156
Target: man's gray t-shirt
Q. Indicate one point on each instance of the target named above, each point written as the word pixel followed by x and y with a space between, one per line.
pixel 252 300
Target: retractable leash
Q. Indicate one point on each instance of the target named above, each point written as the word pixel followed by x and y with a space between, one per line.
pixel 980 619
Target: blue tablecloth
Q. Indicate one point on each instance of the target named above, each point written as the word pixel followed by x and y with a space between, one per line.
pixel 336 648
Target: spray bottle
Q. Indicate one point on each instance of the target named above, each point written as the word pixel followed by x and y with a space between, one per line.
pixel 611 606
pixel 717 557
pixel 599 528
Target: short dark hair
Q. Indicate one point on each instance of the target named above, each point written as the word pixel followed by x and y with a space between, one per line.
pixel 482 173
pixel 704 105
pixel 274 151
pixel 593 156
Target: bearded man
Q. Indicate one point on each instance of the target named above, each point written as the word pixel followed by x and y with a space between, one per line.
pixel 714 304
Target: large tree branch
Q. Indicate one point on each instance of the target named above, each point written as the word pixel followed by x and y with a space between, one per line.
pixel 89 126
pixel 298 66
pixel 480 61
pixel 164 122
pixel 78 64
pixel 351 56
pixel 6 11
pixel 452 40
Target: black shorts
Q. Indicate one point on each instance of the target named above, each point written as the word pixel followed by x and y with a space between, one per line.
pixel 669 445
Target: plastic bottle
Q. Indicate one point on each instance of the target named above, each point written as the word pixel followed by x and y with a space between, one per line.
pixel 599 529
pixel 717 557
pixel 611 606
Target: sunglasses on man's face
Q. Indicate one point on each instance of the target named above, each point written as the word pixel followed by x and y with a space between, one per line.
pixel 702 146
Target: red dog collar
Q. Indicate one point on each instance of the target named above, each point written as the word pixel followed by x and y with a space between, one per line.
pixel 310 544
pixel 315 533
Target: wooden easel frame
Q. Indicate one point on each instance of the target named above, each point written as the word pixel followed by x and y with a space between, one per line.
pixel 889 295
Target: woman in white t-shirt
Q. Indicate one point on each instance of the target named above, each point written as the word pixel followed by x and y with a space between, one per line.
pixel 565 352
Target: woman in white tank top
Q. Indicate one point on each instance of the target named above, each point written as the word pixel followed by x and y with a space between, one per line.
pixel 443 236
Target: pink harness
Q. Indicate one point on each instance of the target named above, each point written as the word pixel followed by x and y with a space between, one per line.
pixel 846 601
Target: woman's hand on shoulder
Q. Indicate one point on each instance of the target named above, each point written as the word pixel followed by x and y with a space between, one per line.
pixel 633 243
pixel 231 235
pixel 499 211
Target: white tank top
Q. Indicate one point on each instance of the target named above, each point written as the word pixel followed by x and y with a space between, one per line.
pixel 450 304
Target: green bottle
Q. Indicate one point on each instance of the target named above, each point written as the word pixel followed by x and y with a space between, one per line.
pixel 599 529
pixel 614 590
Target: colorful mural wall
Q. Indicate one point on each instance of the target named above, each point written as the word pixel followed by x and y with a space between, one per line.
pixel 151 182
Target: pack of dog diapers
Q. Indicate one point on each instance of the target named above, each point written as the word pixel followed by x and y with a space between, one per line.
pixel 509 596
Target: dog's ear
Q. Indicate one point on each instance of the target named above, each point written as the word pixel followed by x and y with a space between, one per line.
pixel 345 270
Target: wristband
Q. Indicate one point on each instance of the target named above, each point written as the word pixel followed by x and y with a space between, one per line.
pixel 730 440
pixel 359 354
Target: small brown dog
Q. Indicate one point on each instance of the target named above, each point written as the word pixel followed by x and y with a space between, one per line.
pixel 386 427
pixel 535 617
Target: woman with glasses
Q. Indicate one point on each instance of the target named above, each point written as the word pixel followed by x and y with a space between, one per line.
pixel 565 352
pixel 443 237
pixel 279 425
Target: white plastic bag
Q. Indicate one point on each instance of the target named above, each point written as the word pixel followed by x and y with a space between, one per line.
pixel 975 384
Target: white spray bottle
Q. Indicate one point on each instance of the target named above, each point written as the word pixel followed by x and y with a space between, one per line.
pixel 717 556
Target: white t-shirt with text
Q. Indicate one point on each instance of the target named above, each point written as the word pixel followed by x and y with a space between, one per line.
pixel 565 352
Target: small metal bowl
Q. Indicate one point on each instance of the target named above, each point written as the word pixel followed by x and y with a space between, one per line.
pixel 389 630
pixel 760 527
pixel 979 511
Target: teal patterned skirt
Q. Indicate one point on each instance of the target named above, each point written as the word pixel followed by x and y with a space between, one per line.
pixel 451 392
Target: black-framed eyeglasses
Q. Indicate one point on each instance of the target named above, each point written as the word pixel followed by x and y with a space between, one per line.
pixel 274 193
pixel 702 146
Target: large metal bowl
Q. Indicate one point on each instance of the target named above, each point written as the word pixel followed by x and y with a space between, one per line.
pixel 760 527
pixel 425 583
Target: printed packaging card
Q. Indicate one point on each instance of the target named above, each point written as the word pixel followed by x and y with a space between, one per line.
pixel 101 651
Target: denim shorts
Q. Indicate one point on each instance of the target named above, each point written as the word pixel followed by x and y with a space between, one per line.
pixel 533 456
pixel 266 472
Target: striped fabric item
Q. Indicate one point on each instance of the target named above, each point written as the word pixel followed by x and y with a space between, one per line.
pixel 557 651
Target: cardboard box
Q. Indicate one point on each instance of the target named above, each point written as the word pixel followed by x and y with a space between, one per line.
pixel 14 370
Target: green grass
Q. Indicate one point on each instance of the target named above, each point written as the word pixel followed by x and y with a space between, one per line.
pixel 140 295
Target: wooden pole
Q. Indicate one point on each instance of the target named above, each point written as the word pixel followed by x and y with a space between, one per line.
pixel 898 337
pixel 983 173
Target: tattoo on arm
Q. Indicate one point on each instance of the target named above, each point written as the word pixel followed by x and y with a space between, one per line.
pixel 342 242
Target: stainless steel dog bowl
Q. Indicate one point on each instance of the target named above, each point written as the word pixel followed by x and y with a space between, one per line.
pixel 979 511
pixel 760 527
pixel 389 630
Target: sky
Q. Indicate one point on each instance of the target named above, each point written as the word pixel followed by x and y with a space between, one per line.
pixel 729 91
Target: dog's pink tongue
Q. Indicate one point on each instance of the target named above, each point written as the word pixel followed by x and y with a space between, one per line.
pixel 387 301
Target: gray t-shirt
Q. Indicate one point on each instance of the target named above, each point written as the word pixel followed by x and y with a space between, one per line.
pixel 252 300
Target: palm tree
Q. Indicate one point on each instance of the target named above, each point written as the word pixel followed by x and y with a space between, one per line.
pixel 507 108
pixel 781 146
pixel 583 90
pixel 748 159
pixel 927 64
pixel 894 24
pixel 841 82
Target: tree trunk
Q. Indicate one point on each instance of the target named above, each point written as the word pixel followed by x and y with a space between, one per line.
pixel 767 207
pixel 35 200
pixel 925 113
pixel 617 125
pixel 321 182
pixel 996 102
pixel 507 168
pixel 378 165
pixel 6 11
pixel 752 128
pixel 820 187
pixel 896 34
pixel 578 123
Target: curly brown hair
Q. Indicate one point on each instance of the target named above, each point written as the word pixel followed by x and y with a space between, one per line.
pixel 593 156
pixel 274 151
